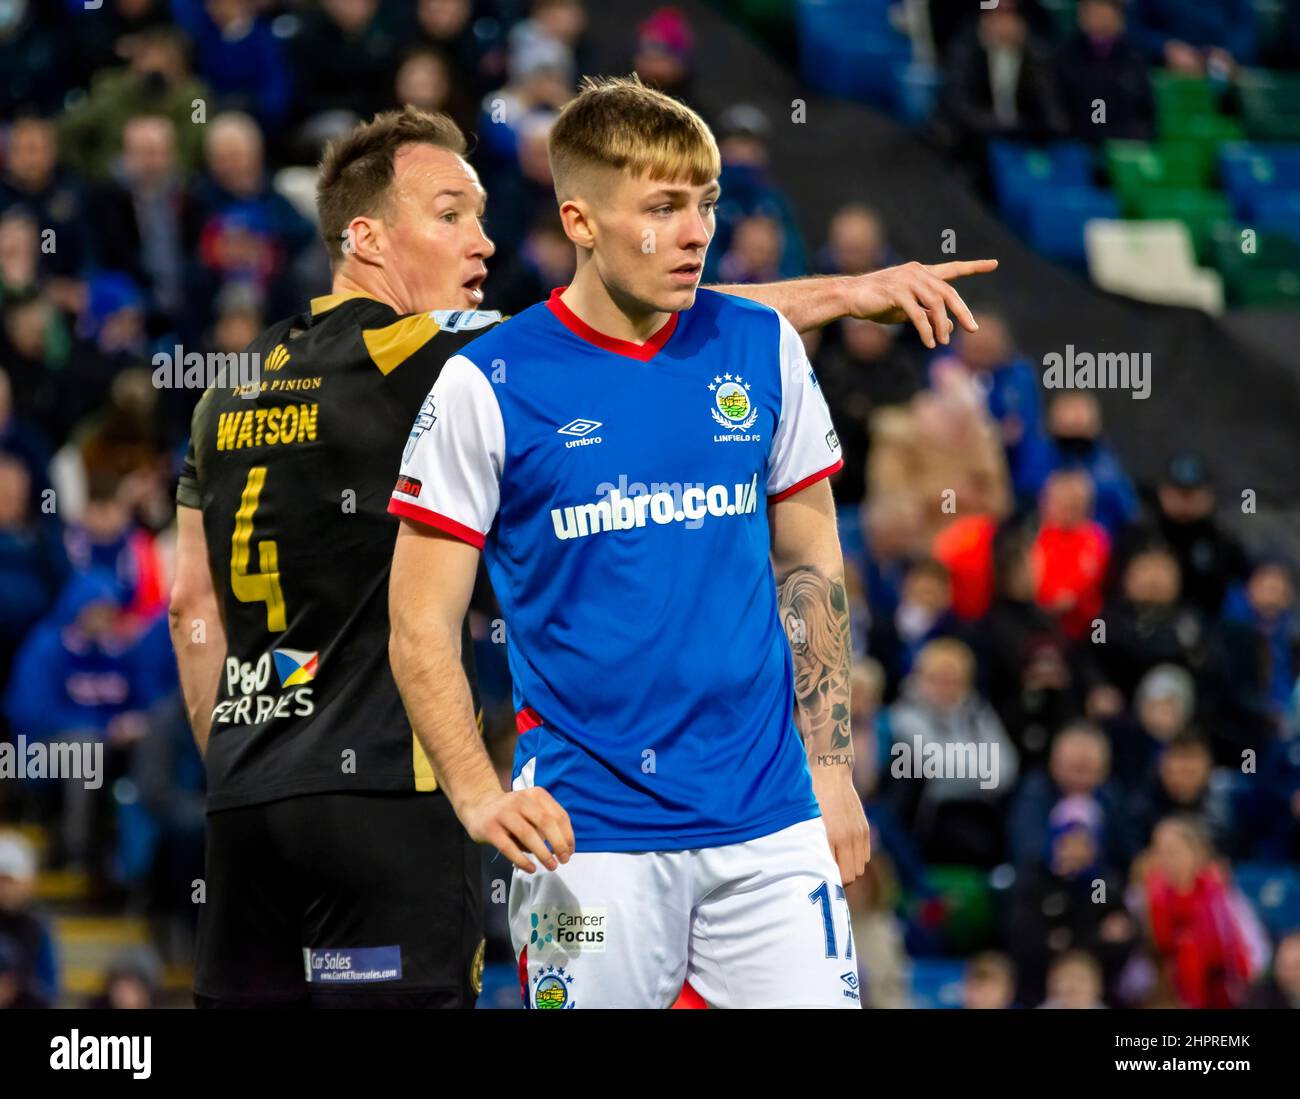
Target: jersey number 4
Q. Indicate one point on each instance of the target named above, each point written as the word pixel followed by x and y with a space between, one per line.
pixel 262 586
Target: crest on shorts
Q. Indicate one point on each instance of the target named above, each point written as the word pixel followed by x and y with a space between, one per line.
pixel 551 991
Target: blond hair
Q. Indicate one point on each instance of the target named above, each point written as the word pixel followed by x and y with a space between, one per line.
pixel 617 122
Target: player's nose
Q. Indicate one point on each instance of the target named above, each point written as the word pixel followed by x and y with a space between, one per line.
pixel 695 233
pixel 482 245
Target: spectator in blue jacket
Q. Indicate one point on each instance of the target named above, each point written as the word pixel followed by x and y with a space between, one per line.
pixel 1215 35
pixel 1078 767
pixel 239 56
pixel 1074 441
pixel 32 562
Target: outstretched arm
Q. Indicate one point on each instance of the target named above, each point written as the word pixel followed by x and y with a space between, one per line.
pixel 814 610
pixel 915 292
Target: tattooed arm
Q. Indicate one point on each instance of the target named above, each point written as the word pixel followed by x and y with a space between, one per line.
pixel 814 611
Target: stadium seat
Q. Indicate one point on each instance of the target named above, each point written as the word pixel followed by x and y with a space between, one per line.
pixel 1269 274
pixel 1152 261
pixel 1270 104
pixel 1020 171
pixel 849 48
pixel 1274 890
pixel 1199 210
pixel 936 982
pixel 1280 211
pixel 1137 167
pixel 1056 218
pixel 1179 98
pixel 1250 171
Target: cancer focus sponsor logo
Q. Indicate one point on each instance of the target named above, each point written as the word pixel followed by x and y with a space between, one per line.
pixel 575 931
pixel 615 511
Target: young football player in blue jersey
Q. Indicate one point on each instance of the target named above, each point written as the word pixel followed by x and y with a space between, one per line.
pixel 680 656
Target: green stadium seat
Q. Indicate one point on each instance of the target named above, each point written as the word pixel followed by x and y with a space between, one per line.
pixel 1270 104
pixel 1270 275
pixel 1137 167
pixel 1181 97
pixel 1199 210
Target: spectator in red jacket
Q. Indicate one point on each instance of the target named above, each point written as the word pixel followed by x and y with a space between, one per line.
pixel 1070 552
pixel 1196 918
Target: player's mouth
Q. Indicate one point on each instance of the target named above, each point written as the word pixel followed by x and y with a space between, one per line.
pixel 473 287
pixel 687 274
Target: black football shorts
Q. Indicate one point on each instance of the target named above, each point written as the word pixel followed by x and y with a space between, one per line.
pixel 340 900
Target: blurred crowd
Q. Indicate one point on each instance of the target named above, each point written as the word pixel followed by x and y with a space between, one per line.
pixel 156 192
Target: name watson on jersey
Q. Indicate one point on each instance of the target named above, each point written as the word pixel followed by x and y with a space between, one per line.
pixel 295 423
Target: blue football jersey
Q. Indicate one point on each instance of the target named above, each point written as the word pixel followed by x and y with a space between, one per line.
pixel 619 493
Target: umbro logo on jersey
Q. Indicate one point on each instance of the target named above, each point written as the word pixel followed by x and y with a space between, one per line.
pixel 618 512
pixel 582 430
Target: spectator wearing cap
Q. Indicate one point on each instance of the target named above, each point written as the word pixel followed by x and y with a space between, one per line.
pixel 240 57
pixel 1209 36
pixel 1181 517
pixel 1163 708
pixel 157 82
pixel 1058 907
pixel 751 206
pixel 665 52
pixel 28 957
pixel 1100 65
pixel 146 222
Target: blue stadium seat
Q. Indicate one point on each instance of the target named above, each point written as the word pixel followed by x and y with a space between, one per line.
pixel 1279 211
pixel 936 982
pixel 1274 890
pixel 1252 172
pixel 500 986
pixel 1056 218
pixel 848 48
pixel 1020 171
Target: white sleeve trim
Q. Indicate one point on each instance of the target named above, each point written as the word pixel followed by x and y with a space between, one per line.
pixel 805 446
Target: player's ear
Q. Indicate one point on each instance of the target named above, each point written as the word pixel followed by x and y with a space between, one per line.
pixel 577 225
pixel 363 238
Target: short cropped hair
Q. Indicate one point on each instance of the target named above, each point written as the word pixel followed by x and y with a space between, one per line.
pixel 357 168
pixel 618 122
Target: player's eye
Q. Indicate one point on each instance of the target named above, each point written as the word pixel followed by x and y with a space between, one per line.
pixel 662 211
pixel 450 217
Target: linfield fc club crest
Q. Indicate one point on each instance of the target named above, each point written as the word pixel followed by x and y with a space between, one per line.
pixel 551 991
pixel 732 406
